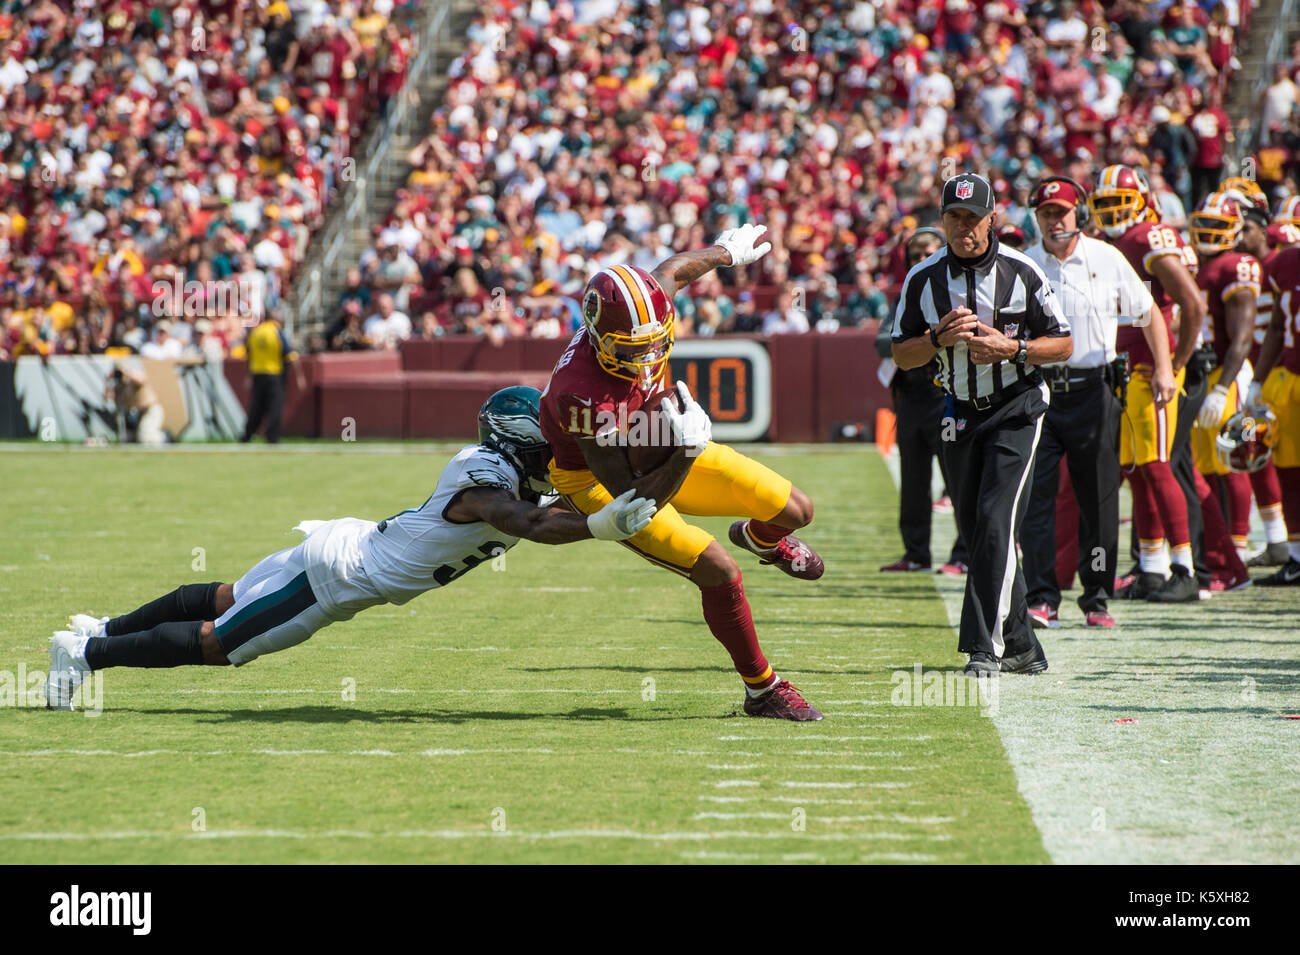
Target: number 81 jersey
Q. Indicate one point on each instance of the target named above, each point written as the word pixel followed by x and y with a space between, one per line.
pixel 420 549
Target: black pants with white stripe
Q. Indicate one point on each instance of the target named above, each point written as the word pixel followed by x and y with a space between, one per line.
pixel 990 465
pixel 1082 426
pixel 919 424
pixel 1183 466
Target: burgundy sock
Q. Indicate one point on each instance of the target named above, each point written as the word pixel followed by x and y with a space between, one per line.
pixel 764 534
pixel 1265 484
pixel 727 613
pixel 1220 551
pixel 1146 515
pixel 1238 488
pixel 1169 503
pixel 1288 480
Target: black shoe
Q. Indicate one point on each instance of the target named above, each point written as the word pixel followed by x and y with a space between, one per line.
pixel 1180 588
pixel 1033 660
pixel 1288 576
pixel 981 664
pixel 1274 555
pixel 1144 584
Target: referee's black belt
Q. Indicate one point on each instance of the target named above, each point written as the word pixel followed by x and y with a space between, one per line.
pixel 1061 378
pixel 1006 394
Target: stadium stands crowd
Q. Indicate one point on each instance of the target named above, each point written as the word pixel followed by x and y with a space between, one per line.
pixel 148 145
pixel 577 135
pixel 200 141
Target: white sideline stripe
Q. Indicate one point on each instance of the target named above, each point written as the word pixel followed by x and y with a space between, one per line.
pixel 222 691
pixel 898 857
pixel 733 767
pixel 881 785
pixel 732 783
pixel 441 834
pixel 836 739
pixel 836 820
pixel 270 752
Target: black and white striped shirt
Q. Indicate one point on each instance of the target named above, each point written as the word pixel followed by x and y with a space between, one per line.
pixel 1011 294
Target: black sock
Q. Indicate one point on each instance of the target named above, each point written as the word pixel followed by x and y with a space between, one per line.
pixel 187 602
pixel 173 644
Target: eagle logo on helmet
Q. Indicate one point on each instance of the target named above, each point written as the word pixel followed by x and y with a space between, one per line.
pixel 965 189
pixel 1245 442
pixel 630 323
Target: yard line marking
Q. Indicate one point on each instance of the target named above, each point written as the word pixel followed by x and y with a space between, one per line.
pixel 731 783
pixel 720 855
pixel 725 798
pixel 836 739
pixel 898 857
pixel 738 767
pixel 880 785
pixel 274 752
pixel 836 820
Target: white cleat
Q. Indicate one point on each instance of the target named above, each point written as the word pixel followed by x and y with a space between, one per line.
pixel 67 669
pixel 84 625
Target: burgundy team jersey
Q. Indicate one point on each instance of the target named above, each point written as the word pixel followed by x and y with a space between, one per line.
pixel 1220 278
pixel 1142 245
pixel 1283 279
pixel 581 396
pixel 1263 306
pixel 1283 234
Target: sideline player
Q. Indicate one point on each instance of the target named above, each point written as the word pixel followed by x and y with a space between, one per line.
pixel 1231 282
pixel 1257 238
pixel 1125 208
pixel 615 364
pixel 1277 384
pixel 488 497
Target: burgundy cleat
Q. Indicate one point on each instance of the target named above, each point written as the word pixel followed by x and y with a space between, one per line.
pixel 1044 617
pixel 1228 582
pixel 954 568
pixel 782 702
pixel 790 553
pixel 903 566
pixel 1099 618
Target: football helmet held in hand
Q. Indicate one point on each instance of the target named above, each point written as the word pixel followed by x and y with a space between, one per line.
pixel 1245 442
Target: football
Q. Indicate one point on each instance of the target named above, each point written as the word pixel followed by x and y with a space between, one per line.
pixel 649 435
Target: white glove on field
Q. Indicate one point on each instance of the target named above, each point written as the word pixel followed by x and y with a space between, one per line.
pixel 1255 396
pixel 623 517
pixel 740 243
pixel 1212 410
pixel 691 426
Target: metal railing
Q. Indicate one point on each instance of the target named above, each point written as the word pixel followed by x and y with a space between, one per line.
pixel 355 203
pixel 1277 46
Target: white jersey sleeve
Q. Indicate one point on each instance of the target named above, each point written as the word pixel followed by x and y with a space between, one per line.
pixel 420 548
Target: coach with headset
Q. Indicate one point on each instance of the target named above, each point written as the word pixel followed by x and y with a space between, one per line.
pixel 1098 290
pixel 990 317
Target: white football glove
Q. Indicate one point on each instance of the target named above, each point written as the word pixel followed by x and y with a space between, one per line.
pixel 691 426
pixel 1212 410
pixel 1255 395
pixel 739 242
pixel 623 517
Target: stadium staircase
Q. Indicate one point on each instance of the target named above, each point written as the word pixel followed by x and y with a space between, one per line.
pixel 1274 26
pixel 380 169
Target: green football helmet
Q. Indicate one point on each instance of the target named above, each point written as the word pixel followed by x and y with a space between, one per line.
pixel 510 423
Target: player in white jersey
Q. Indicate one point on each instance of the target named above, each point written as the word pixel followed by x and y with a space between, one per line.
pixel 489 497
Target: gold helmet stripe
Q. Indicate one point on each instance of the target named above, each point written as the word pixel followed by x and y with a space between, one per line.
pixel 638 305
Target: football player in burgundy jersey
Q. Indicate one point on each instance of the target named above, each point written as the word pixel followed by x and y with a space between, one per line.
pixel 1230 279
pixel 1257 239
pixel 1125 208
pixel 613 366
pixel 1276 384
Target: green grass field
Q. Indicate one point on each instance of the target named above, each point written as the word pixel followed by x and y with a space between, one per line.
pixel 570 705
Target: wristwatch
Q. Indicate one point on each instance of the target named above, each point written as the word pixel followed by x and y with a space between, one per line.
pixel 1022 353
pixel 934 338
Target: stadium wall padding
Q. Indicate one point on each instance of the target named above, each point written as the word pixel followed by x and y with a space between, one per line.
pixel 433 388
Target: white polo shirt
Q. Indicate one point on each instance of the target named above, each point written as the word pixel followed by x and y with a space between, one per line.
pixel 1098 292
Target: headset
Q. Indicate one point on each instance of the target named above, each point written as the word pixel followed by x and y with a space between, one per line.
pixel 1082 214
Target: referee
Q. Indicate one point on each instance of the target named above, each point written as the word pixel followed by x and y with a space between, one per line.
pixel 990 316
pixel 1097 289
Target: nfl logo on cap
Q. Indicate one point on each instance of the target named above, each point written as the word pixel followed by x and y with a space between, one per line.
pixel 965 189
